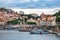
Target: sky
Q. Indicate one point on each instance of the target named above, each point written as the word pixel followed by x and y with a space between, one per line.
pixel 32 6
pixel 38 11
pixel 30 3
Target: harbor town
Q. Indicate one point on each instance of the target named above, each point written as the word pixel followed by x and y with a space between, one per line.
pixel 11 20
pixel 29 19
pixel 16 26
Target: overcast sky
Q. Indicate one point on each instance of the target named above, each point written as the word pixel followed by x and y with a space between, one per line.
pixel 31 6
pixel 37 11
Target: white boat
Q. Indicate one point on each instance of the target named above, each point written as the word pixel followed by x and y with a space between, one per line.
pixel 40 31
pixel 58 34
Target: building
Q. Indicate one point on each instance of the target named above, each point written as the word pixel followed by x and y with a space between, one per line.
pixel 48 20
pixel 3 19
pixel 32 20
pixel 51 21
pixel 34 14
pixel 21 12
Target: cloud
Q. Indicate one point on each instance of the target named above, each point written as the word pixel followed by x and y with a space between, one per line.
pixel 21 1
pixel 37 11
pixel 49 0
pixel 36 0
pixel 14 1
pixel 6 1
pixel 30 3
pixel 17 1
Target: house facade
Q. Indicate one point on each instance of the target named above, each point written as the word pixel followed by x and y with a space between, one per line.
pixel 48 20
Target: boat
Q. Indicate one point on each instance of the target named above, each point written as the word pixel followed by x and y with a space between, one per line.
pixel 39 31
pixel 52 32
pixel 24 30
pixel 35 32
pixel 58 34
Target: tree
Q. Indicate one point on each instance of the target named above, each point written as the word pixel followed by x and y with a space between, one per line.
pixel 14 22
pixel 3 9
pixel 57 14
pixel 30 16
pixel 31 23
pixel 58 19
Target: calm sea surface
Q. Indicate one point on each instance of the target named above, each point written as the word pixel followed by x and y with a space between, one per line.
pixel 16 35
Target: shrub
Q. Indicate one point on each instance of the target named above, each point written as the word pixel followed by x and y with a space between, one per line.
pixel 13 22
pixel 31 23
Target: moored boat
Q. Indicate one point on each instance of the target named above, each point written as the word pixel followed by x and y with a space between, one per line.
pixel 24 30
pixel 58 34
pixel 39 31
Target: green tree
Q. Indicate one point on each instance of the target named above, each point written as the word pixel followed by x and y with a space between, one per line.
pixel 31 23
pixel 3 9
pixel 57 14
pixel 14 22
pixel 30 16
pixel 58 19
